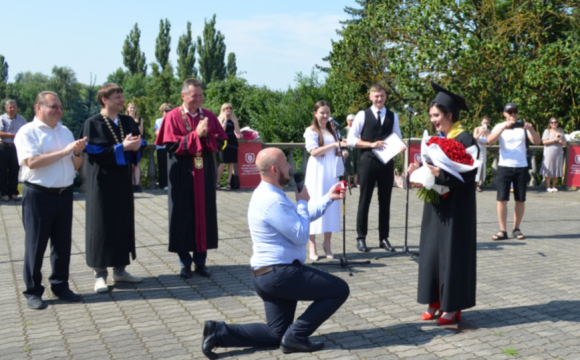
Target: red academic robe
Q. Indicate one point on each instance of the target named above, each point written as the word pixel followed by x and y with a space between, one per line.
pixel 192 177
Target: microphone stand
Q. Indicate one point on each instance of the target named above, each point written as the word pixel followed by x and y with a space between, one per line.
pixel 344 263
pixel 414 254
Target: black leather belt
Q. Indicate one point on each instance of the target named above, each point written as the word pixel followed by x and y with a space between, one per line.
pixel 58 191
pixel 7 144
pixel 267 269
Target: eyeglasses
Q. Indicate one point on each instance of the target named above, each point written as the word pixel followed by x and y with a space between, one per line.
pixel 228 108
pixel 53 107
pixel 512 112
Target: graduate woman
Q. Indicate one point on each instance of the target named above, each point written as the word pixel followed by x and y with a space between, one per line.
pixel 322 172
pixel 448 229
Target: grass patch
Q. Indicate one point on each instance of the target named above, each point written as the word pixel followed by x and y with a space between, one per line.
pixel 510 352
pixel 498 334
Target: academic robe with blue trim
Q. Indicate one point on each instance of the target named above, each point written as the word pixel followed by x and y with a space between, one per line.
pixel 110 213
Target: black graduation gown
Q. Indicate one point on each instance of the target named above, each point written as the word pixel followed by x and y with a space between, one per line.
pixel 447 265
pixel 110 213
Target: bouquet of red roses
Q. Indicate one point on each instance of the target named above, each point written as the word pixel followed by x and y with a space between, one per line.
pixel 446 154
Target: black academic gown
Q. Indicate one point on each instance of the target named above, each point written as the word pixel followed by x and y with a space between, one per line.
pixel 110 213
pixel 447 264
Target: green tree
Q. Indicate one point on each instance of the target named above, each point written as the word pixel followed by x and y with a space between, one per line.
pixel 24 90
pixel 490 51
pixel 186 55
pixel 3 76
pixel 133 57
pixel 163 44
pixel 211 53
pixel 232 67
pixel 118 77
pixel 64 83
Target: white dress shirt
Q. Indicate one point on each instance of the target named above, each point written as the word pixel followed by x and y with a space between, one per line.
pixel 37 138
pixel 280 229
pixel 359 122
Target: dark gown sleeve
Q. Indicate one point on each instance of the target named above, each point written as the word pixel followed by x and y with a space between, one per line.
pixel 446 179
pixel 101 147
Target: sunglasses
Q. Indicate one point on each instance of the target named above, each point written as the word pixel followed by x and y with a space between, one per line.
pixel 227 108
pixel 512 112
pixel 553 122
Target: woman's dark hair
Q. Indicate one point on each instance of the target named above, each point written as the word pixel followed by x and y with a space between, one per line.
pixel 445 110
pixel 315 125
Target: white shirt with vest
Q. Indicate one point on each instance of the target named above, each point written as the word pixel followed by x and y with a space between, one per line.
pixel 359 122
pixel 37 138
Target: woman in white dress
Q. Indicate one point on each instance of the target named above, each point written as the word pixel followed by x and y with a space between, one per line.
pixel 480 135
pixel 323 169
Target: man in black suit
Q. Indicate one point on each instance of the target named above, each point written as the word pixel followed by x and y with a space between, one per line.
pixel 369 130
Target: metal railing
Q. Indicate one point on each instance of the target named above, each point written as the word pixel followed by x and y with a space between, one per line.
pixel 297 150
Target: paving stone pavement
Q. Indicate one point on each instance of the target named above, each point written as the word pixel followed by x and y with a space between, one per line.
pixel 528 304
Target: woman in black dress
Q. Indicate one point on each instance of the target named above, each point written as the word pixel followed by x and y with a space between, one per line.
pixel 448 231
pixel 132 111
pixel 229 150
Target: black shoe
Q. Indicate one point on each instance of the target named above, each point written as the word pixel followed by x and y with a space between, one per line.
pixel 203 271
pixel 186 272
pixel 69 296
pixel 36 303
pixel 385 244
pixel 137 188
pixel 294 346
pixel 209 341
pixel 361 245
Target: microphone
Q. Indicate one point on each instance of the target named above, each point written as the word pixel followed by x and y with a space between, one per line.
pixel 410 109
pixel 298 179
pixel 334 122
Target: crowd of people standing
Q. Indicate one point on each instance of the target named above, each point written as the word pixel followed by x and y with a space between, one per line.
pixel 187 138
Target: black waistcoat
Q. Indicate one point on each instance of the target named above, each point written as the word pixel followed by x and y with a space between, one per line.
pixel 373 131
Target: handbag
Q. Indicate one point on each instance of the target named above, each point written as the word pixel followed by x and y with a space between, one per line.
pixel 400 180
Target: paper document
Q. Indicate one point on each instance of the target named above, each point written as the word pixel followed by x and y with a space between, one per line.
pixel 394 146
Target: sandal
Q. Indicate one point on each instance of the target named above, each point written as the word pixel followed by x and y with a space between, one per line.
pixel 478 189
pixel 518 234
pixel 501 235
pixel 218 186
pixel 229 187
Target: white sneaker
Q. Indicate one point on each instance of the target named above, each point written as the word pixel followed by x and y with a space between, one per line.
pixel 126 277
pixel 101 285
pixel 554 189
pixel 549 190
pixel 166 188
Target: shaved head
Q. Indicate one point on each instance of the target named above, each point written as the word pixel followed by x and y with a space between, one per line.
pixel 273 167
pixel 267 158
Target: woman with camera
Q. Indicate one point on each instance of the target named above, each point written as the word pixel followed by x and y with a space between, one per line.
pixel 553 161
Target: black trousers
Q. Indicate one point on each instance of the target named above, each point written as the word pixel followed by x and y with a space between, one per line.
pixel 161 167
pixel 8 170
pixel 46 216
pixel 281 290
pixel 372 171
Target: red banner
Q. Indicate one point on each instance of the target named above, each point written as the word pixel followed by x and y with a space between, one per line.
pixel 249 175
pixel 573 167
pixel 415 153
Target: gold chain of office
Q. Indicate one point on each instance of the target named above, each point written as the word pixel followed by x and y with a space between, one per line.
pixel 108 121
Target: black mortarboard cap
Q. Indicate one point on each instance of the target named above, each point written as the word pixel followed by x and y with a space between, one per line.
pixel 454 102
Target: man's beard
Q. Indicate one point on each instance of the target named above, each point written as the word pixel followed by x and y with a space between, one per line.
pixel 283 180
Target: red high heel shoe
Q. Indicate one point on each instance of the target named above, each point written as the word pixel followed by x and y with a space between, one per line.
pixel 427 316
pixel 444 321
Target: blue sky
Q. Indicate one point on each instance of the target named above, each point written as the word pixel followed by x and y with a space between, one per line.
pixel 273 40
